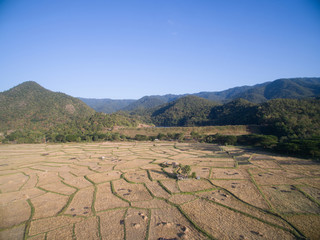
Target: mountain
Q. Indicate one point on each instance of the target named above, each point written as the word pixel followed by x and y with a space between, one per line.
pixel 280 117
pixel 293 88
pixel 30 113
pixel 291 117
pixel 186 111
pixel 146 102
pixel 29 105
pixel 223 95
pixel 236 112
pixel 107 105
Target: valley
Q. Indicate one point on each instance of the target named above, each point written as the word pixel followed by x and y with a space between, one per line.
pixel 122 190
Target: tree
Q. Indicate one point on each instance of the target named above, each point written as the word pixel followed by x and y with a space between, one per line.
pixel 186 169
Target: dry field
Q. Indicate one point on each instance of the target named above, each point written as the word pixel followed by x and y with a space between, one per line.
pixel 119 191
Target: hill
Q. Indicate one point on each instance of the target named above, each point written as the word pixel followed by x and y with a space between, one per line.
pixel 291 117
pixel 281 117
pixel 236 112
pixel 186 111
pixel 29 105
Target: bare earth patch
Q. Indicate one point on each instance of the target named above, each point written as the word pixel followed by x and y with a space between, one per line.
pixel 220 173
pixel 245 190
pixel 190 185
pixel 218 221
pixel 169 223
pixel 48 205
pixel 105 199
pixel 131 192
pixel 136 224
pixel 112 224
pixel 307 224
pixel 287 199
pixel 81 203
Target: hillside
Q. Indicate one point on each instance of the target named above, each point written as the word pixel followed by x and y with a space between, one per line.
pixel 185 111
pixel 281 117
pixel 30 113
pixel 236 112
pixel 29 105
pixel 291 117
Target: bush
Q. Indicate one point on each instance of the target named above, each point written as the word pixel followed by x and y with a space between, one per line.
pixel 140 137
pixel 265 141
pixel 115 137
pixel 72 138
pixel 161 136
pixel 61 138
pixel 221 139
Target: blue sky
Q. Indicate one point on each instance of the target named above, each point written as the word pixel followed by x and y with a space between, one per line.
pixel 128 49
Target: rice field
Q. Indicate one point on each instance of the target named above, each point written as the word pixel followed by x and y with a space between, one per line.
pixel 118 190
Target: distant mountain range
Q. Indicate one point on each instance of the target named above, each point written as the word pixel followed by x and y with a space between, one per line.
pixel 286 112
pixel 107 105
pixel 293 88
pixel 33 108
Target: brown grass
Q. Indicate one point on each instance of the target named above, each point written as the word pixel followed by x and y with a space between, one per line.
pixel 118 190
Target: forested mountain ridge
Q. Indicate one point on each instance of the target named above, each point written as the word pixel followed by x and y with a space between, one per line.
pixel 292 118
pixel 280 117
pixel 30 113
pixel 29 105
pixel 292 88
pixel 186 111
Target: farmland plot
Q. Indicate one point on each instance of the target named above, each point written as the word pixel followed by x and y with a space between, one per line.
pixel 120 191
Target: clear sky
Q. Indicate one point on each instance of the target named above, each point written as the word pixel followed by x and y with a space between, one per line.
pixel 128 49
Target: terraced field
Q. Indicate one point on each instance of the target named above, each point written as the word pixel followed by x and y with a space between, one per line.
pixel 119 191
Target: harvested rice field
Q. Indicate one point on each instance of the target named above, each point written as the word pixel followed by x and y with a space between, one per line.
pixel 125 191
